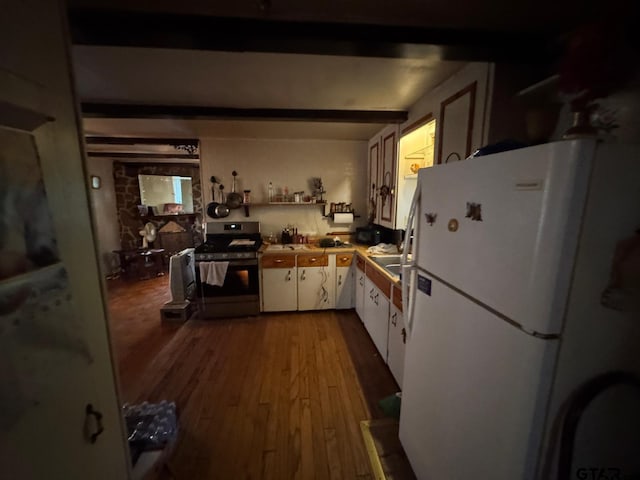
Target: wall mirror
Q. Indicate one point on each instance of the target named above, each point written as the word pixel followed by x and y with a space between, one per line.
pixel 166 195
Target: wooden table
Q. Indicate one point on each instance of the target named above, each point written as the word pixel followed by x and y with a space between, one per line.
pixel 141 263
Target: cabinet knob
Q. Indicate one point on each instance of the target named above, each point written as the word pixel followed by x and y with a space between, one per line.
pixel 339 280
pixel 344 259
pixel 404 335
pixel 289 276
pixel 394 319
pixel 277 260
pixel 303 276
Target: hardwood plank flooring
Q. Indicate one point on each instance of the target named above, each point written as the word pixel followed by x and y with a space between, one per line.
pixel 275 396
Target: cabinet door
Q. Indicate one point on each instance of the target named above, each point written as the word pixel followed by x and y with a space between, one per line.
pixel 387 177
pixel 372 185
pixel 344 287
pixel 316 288
pixel 376 312
pixel 396 344
pixel 455 130
pixel 279 289
pixel 359 280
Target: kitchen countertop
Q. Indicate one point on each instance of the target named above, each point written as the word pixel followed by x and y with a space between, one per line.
pixel 353 248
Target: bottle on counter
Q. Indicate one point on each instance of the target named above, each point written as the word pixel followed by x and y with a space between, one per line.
pixel 270 192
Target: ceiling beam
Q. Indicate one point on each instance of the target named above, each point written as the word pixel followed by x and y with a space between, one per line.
pixel 197 32
pixel 185 156
pixel 97 140
pixel 187 112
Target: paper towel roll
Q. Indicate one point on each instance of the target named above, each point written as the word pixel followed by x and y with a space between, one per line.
pixel 343 218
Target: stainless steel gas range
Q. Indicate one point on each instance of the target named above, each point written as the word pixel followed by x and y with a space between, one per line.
pixel 239 295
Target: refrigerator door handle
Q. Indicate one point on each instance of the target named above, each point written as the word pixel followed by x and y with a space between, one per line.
pixel 408 267
pixel 404 259
pixel 408 300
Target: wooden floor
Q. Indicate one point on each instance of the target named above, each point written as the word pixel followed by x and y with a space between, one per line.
pixel 276 396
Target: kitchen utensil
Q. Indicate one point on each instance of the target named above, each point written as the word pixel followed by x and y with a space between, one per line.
pixel 211 207
pixel 234 199
pixel 222 210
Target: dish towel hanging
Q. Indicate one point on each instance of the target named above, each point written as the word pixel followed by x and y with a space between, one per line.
pixel 213 273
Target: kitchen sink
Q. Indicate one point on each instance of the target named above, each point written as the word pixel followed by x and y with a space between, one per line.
pixel 391 263
pixel 384 260
pixel 288 246
pixel 394 269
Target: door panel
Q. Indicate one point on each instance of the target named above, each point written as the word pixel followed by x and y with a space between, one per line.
pixel 373 186
pixel 475 388
pixel 457 114
pixel 529 205
pixel 55 356
pixel 387 178
pixel 279 290
pixel 344 287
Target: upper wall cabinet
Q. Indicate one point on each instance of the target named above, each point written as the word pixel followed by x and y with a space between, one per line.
pixel 372 175
pixel 383 154
pixel 455 129
pixel 387 176
pixel 446 124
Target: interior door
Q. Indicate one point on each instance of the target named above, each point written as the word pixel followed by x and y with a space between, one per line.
pixel 55 358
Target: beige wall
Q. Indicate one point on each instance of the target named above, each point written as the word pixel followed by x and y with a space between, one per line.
pixel 103 203
pixel 290 163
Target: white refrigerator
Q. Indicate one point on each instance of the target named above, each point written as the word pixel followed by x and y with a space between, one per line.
pixel 511 255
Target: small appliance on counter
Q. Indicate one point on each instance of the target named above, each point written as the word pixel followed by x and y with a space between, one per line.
pixel 287 236
pixel 372 235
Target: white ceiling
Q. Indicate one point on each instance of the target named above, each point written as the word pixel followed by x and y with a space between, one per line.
pixel 249 80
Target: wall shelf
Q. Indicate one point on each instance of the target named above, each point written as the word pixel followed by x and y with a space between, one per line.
pixel 274 204
pixel 246 206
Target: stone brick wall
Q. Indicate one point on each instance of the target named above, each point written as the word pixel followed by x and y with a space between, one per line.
pixel 125 177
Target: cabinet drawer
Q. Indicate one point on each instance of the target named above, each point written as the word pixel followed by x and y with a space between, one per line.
pixel 344 259
pixel 382 282
pixel 397 297
pixel 360 262
pixel 310 260
pixel 278 261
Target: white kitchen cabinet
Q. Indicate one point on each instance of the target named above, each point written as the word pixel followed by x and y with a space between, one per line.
pixel 344 280
pixel 397 339
pixel 316 282
pixel 456 124
pixel 279 283
pixel 358 286
pixel 376 313
pixel 372 183
pixel 387 177
pixel 383 160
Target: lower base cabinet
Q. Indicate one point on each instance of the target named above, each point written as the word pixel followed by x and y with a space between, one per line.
pixel 358 286
pixel 279 284
pixel 396 343
pixel 376 316
pixel 344 281
pixel 316 282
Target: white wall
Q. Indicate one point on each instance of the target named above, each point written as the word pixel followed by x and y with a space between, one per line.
pixel 103 203
pixel 291 163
